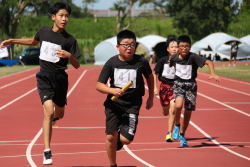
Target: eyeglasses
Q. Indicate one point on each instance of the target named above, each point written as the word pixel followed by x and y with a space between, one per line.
pixel 184 47
pixel 132 46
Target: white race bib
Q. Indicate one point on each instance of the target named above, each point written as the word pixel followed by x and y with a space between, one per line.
pixel 184 71
pixel 48 52
pixel 123 76
pixel 168 72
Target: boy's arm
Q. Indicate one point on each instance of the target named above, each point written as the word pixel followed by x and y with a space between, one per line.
pixel 26 41
pixel 211 68
pixel 75 63
pixel 64 54
pixel 150 82
pixel 103 88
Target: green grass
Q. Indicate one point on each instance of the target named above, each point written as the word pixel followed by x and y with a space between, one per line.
pixel 6 70
pixel 241 72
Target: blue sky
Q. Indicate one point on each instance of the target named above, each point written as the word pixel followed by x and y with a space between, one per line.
pixel 103 4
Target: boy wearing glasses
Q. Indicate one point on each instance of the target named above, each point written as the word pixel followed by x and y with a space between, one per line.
pixel 186 65
pixel 122 113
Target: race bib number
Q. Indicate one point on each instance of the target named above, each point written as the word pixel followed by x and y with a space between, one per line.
pixel 123 76
pixel 48 52
pixel 168 72
pixel 184 71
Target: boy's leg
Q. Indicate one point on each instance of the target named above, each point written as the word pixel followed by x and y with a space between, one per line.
pixel 58 113
pixel 177 107
pixel 165 110
pixel 47 122
pixel 111 140
pixel 171 119
pixel 169 110
pixel 230 59
pixel 187 117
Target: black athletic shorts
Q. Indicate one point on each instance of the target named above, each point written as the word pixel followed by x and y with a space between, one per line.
pixel 52 85
pixel 234 55
pixel 123 116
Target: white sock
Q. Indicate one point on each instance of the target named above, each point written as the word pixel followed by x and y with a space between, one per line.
pixel 46 150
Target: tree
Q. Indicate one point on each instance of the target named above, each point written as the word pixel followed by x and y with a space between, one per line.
pixel 124 7
pixel 245 7
pixel 199 18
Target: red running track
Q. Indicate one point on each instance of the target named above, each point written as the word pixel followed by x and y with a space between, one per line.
pixel 218 134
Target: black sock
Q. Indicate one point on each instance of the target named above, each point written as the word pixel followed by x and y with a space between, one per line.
pixel 113 165
pixel 182 134
pixel 177 125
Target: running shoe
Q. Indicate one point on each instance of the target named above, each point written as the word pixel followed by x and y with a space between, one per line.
pixel 169 137
pixel 183 141
pixel 47 158
pixel 54 120
pixel 119 143
pixel 176 132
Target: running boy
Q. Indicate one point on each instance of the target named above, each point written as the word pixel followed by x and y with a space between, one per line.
pixel 186 65
pixel 122 114
pixel 57 47
pixel 166 75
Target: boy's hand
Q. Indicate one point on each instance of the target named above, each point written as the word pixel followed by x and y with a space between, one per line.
pixel 216 77
pixel 62 53
pixel 149 103
pixel 5 43
pixel 117 92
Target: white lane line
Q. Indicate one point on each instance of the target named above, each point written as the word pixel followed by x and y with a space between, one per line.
pixel 223 87
pixel 16 81
pixel 28 151
pixel 18 73
pixel 217 143
pixel 17 99
pixel 209 137
pixel 136 157
pixel 135 150
pixel 234 80
pixel 224 104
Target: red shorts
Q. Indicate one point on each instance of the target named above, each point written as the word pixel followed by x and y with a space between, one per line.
pixel 166 94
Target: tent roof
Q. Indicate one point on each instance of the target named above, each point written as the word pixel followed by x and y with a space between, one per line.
pixel 246 39
pixel 151 40
pixel 214 40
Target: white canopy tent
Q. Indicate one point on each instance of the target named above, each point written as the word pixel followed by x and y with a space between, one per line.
pixel 107 48
pixel 219 43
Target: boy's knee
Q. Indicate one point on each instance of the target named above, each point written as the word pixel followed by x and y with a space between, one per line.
pixel 111 137
pixel 165 111
pixel 125 140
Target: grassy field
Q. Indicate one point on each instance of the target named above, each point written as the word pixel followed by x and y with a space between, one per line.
pixel 6 70
pixel 241 72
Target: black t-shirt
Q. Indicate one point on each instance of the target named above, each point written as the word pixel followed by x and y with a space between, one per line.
pixel 165 73
pixel 50 41
pixel 186 69
pixel 234 48
pixel 121 72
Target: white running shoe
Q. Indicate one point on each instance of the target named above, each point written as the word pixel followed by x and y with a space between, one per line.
pixel 47 158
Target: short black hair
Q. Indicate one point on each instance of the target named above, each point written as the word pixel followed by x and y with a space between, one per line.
pixel 184 38
pixel 170 38
pixel 125 34
pixel 55 7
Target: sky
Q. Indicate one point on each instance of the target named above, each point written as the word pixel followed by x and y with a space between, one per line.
pixel 101 5
pixel 105 4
